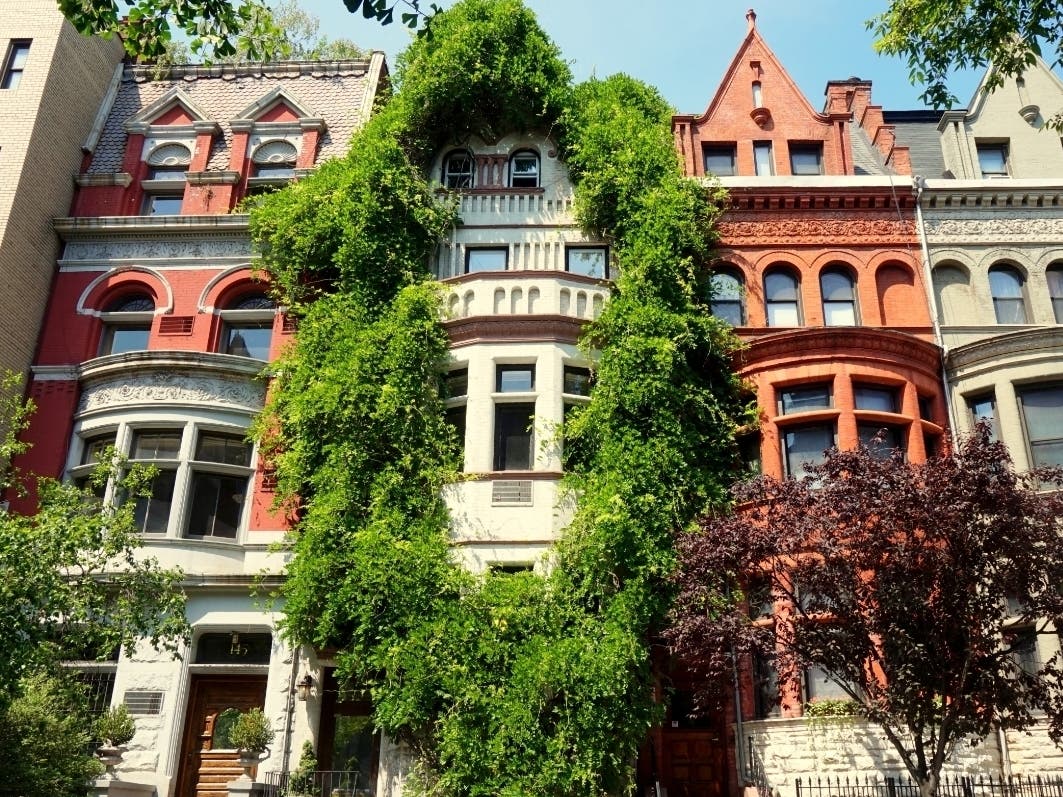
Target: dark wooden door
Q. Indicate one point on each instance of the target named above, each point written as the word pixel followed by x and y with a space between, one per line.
pixel 207 762
pixel 694 763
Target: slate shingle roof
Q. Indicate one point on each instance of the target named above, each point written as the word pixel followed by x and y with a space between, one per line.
pixel 334 91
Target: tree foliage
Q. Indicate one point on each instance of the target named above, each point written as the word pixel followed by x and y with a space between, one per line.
pixel 937 37
pixel 894 579
pixel 503 684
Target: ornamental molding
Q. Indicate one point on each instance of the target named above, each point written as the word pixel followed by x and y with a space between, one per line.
pixel 994 227
pixel 836 229
pixel 837 344
pixel 536 328
pixel 168 387
pixel 140 249
pixel 1009 350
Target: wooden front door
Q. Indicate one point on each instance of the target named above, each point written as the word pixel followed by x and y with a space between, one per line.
pixel 694 763
pixel 207 763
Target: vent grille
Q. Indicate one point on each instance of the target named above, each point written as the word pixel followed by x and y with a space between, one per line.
pixel 511 492
pixel 176 325
pixel 289 324
pixel 143 702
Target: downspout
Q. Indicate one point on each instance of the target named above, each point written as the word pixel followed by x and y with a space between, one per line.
pixel 289 714
pixel 919 183
pixel 740 737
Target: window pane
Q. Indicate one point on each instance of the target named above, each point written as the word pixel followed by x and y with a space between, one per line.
pixel 821 687
pixel 217 503
pixel 515 378
pixel 485 260
pixel 839 314
pixel 275 171
pixel 455 416
pixel 120 339
pixel 984 407
pixel 589 261
pixel 1042 411
pixel 577 381
pixel 458 170
pixel 227 449
pixel 805 160
pixel 137 303
pixel 456 383
pixel 780 286
pixel 783 314
pixel 163 205
pixel 248 339
pixel 803 399
pixel 94 447
pixel 762 160
pixel 1005 285
pixel 174 173
pixel 836 286
pixel 727 303
pixel 1055 290
pixel 152 512
pixel 893 439
pixel 993 160
pixel 805 446
pixel 513 436
pixel 720 160
pixel 156 445
pixel 524 170
pixel 880 399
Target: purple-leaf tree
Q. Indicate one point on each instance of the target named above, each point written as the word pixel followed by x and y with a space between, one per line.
pixel 918 589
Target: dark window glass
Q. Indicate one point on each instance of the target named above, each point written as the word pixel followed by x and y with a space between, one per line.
pixel 577 381
pixel 1054 275
pixel 892 439
pixel 275 171
pixel 749 454
pixel 1006 286
pixel 152 513
pixel 524 170
pixel 1024 651
pixel 254 301
pixel 984 407
pixel 728 298
pixel 93 448
pixel 765 687
pixel 513 436
pixel 486 260
pixel 17 54
pixel 872 397
pixel 514 378
pixel 804 398
pixel 120 338
pixel 162 205
pixel 1042 410
pixel 806 159
pixel 780 295
pixel 820 686
pixel 136 303
pixel 805 445
pixel 217 505
pixel 455 383
pixel 248 339
pixel 926 408
pixel 226 449
pixel 455 416
pixel 590 261
pixel 458 170
pixel 839 300
pixel 233 648
pixel 150 444
pixel 720 159
pixel 993 159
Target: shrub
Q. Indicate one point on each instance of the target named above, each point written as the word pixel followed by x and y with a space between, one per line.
pixel 252 732
pixel 115 726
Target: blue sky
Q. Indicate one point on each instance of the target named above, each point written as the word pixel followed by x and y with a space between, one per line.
pixel 683 48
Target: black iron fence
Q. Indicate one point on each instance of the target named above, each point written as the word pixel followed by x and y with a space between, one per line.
pixel 977 786
pixel 324 783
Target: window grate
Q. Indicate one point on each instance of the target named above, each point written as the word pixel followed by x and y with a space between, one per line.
pixel 176 325
pixel 143 702
pixel 511 492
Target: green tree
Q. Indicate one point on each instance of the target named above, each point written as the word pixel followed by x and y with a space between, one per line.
pixel 936 37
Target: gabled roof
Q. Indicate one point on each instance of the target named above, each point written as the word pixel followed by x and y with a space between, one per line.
pixel 175 97
pixel 279 94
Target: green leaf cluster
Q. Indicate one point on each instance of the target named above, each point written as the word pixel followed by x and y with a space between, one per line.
pixel 504 684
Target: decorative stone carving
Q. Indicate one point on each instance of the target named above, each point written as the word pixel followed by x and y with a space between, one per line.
pixel 169 387
pixel 816 230
pixel 140 249
pixel 994 226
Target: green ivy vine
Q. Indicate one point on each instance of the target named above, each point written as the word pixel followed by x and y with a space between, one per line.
pixel 501 684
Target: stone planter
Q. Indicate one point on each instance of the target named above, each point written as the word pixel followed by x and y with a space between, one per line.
pixel 110 757
pixel 249 759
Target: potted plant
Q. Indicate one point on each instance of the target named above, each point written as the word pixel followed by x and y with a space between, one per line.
pixel 115 729
pixel 301 782
pixel 251 735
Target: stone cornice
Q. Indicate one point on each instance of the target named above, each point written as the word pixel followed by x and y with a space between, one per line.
pixel 841 343
pixel 152 72
pixel 1015 346
pixel 991 224
pixel 994 194
pixel 137 362
pixel 523 274
pixel 840 196
pixel 72 228
pixel 514 328
pixel 752 226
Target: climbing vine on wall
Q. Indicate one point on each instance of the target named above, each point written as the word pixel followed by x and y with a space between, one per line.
pixel 502 684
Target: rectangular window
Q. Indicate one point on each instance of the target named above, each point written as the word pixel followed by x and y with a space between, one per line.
pixel 719 159
pixel 926 408
pixel 514 378
pixel 577 381
pixel 765 688
pixel 455 384
pixel 806 159
pixel 218 495
pixel 804 398
pixel 892 439
pixel 514 437
pixel 162 205
pixel 804 446
pixel 590 261
pixel 247 338
pixel 152 513
pixel 1042 414
pixel 984 407
pixel 876 398
pixel 120 338
pixel 15 63
pixel 477 260
pixel 763 163
pixel 993 158
pixel 167 173
pixel 455 416
pixel 820 686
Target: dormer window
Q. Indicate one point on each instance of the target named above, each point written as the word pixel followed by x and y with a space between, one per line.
pixel 459 169
pixel 164 185
pixel 524 170
pixel 273 164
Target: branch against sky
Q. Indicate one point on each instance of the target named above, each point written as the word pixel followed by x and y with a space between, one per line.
pixel 905 583
pixel 937 37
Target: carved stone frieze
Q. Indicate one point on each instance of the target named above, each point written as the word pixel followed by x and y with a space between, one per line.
pixel 750 229
pixel 169 387
pixel 207 248
pixel 995 227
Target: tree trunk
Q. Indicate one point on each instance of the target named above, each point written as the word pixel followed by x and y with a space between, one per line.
pixel 929 786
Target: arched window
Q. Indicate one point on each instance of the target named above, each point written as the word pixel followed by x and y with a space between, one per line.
pixel 1006 286
pixel 459 168
pixel 839 298
pixel 127 324
pixel 248 327
pixel 524 169
pixel 782 299
pixel 1054 276
pixel 728 301
pixel 275 160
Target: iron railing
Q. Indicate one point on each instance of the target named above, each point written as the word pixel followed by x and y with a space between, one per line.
pixel 323 783
pixel 959 786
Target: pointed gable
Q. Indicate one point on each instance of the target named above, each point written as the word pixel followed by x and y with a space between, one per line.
pixel 275 106
pixel 758 103
pixel 174 108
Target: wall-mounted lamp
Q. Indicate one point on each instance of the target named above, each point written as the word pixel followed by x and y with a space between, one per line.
pixel 304 687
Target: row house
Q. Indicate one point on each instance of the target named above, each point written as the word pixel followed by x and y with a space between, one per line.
pixel 156 339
